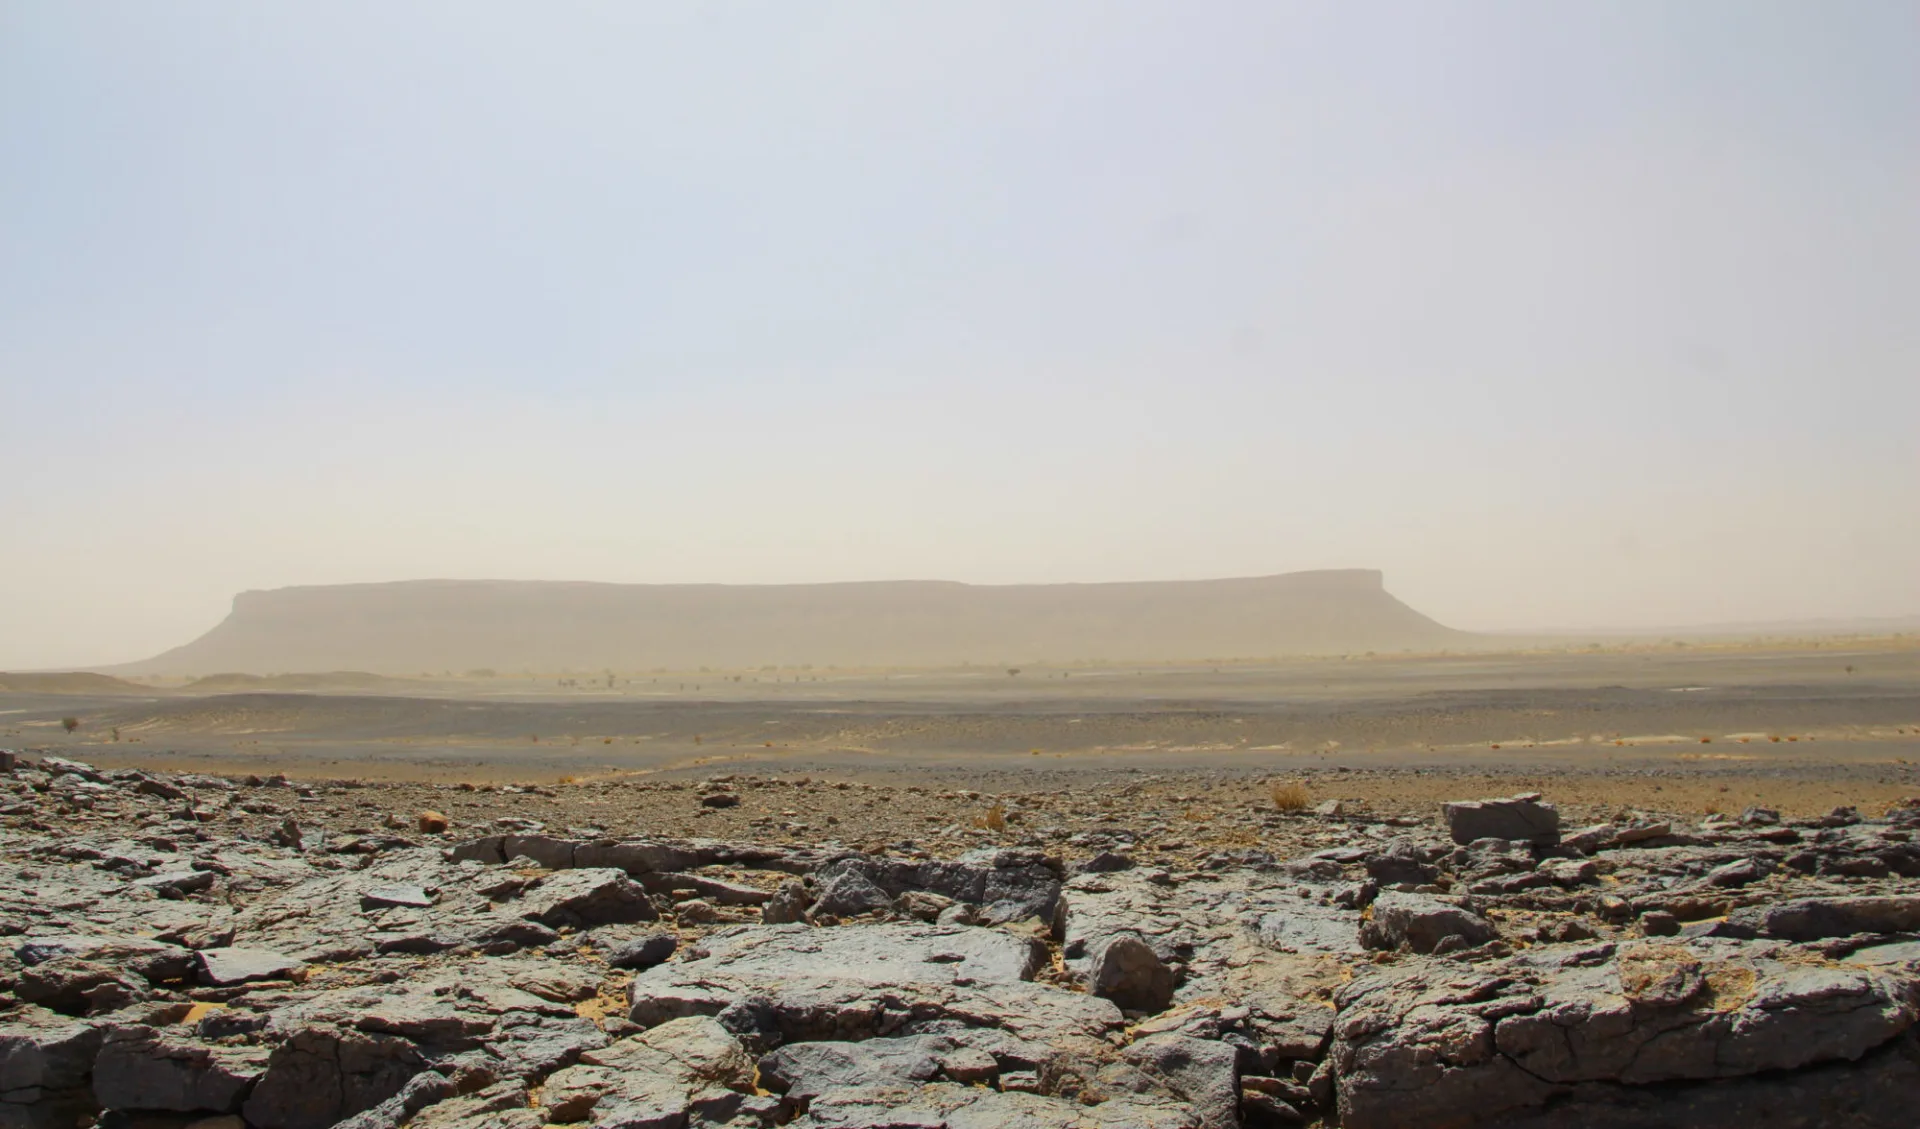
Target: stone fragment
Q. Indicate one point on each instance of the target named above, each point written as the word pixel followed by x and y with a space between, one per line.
pixel 395 894
pixel 1204 1072
pixel 585 898
pixel 788 904
pixel 643 951
pixel 1514 817
pixel 431 823
pixel 850 893
pixel 176 884
pixel 1422 923
pixel 1126 970
pixel 225 966
pixel 1107 862
pixel 1568 872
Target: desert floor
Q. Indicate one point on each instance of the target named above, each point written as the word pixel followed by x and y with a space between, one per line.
pixel 1801 727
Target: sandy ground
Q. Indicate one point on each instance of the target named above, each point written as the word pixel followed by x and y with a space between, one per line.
pixel 1800 728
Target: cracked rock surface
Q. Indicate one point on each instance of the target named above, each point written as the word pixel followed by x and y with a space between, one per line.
pixel 183 947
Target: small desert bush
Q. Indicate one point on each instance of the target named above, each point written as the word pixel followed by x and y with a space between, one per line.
pixel 69 723
pixel 1291 795
pixel 993 819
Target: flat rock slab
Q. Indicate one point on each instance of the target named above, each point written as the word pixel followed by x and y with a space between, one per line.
pixel 395 894
pixel 800 983
pixel 875 954
pixel 223 967
pixel 1422 1043
pixel 946 1105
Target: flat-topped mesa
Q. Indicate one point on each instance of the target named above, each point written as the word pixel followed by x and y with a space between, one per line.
pixel 515 625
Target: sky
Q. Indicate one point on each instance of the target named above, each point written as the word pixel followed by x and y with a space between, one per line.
pixel 1572 314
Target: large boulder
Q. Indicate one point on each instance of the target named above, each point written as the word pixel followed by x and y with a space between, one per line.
pixel 1515 817
pixel 1811 919
pixel 586 898
pixel 1432 1043
pixel 682 1069
pixel 1126 970
pixel 321 1075
pixel 1007 885
pixel 1205 1072
pixel 143 1069
pixel 1423 924
pixel 45 1060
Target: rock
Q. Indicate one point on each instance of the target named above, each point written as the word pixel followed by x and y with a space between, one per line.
pixel 431 823
pixel 1107 862
pixel 141 1069
pixel 1432 1043
pixel 1515 817
pixel 79 986
pixel 585 898
pixel 154 960
pixel 776 984
pixel 178 883
pixel 1126 970
pixel 421 1091
pixel 321 1075
pixel 1810 919
pixel 710 889
pixel 45 1061
pixel 1588 840
pixel 1400 862
pixel 643 951
pixel 1659 923
pixel 1007 885
pixel 803 1071
pixel 775 955
pixel 1204 1072
pixel 1422 923
pixel 395 894
pixel 720 800
pixel 1567 872
pixel 849 893
pixel 226 966
pixel 689 1068
pixel 502 1105
pixel 788 905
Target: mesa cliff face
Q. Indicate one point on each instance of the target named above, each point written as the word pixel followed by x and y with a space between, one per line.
pixel 461 625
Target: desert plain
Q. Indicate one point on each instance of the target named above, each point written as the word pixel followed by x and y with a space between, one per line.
pixel 1600 885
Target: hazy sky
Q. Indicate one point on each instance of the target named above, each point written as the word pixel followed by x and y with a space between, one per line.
pixel 1561 314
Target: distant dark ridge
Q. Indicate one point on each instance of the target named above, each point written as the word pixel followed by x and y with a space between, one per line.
pixel 458 625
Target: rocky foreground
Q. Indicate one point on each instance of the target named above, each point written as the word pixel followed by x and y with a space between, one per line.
pixel 194 950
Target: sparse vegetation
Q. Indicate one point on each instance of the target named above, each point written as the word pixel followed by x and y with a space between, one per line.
pixel 993 819
pixel 69 723
pixel 1291 795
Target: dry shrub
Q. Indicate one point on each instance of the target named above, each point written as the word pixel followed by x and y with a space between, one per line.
pixel 993 819
pixel 1291 796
